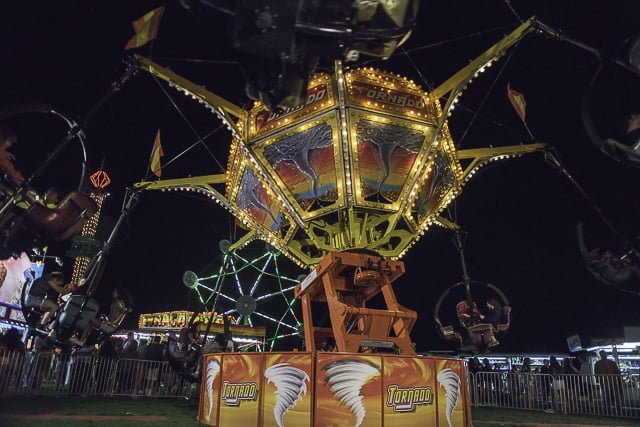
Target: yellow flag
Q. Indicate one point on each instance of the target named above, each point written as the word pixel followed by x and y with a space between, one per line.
pixel 517 101
pixel 156 153
pixel 146 28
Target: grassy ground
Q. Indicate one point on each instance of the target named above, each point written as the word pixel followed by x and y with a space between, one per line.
pixel 486 417
pixel 177 413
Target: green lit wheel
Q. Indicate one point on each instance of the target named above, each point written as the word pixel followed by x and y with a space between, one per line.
pixel 252 290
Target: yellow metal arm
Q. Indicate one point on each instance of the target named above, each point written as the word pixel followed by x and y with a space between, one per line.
pixel 224 109
pixel 199 184
pixel 444 222
pixel 481 156
pixel 244 240
pixel 478 64
pixel 182 182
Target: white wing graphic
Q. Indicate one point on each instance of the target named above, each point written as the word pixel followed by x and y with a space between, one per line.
pixel 213 369
pixel 451 383
pixel 346 378
pixel 291 385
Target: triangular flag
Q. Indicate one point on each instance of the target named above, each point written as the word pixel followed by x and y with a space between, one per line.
pixel 518 102
pixel 156 153
pixel 146 28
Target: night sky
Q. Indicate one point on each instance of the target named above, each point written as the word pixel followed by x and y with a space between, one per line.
pixel 520 215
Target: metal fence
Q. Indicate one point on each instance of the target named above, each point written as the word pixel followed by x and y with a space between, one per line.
pixel 49 373
pixel 604 395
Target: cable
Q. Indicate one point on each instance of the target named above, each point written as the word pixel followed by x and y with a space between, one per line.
pixel 198 60
pixel 508 2
pixel 195 132
pixel 437 44
pixel 186 150
pixel 415 67
pixel 486 95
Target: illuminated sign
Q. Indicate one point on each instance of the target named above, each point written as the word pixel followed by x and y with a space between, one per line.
pixel 406 399
pixel 234 393
pixel 317 97
pixel 177 320
pixel 100 179
pixel 397 100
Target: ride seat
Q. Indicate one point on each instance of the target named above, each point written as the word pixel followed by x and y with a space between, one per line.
pixel 64 220
pixel 448 332
pixel 462 309
pixel 482 335
pixel 74 316
pixel 506 320
pixel 109 326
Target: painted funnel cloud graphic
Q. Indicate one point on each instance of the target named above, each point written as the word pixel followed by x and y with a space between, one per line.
pixel 386 138
pixel 296 150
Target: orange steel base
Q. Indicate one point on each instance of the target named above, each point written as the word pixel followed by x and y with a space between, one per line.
pixel 354 326
pixel 304 389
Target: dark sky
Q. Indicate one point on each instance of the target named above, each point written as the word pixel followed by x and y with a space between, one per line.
pixel 520 215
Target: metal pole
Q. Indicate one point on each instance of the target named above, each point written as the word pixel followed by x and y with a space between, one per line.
pixel 97 263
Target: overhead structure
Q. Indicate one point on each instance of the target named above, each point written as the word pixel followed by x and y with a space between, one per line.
pixel 367 163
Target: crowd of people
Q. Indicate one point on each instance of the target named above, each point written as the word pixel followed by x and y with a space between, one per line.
pixel 551 384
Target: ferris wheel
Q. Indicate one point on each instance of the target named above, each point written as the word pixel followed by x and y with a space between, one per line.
pixel 252 290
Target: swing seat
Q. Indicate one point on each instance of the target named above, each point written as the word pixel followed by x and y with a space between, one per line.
pixel 64 220
pixel 73 316
pixel 506 320
pixel 448 332
pixel 482 336
pixel 109 326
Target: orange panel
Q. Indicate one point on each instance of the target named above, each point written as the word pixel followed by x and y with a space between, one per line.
pixel 348 390
pixel 240 389
pixel 451 395
pixel 351 390
pixel 287 391
pixel 409 386
pixel 210 389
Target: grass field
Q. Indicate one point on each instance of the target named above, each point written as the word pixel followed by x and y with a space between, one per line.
pixel 118 412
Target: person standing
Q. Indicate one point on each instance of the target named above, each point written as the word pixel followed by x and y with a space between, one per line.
pixel 127 366
pixel 155 356
pixel 608 375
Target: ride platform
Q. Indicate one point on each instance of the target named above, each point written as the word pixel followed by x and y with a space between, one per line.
pixel 332 389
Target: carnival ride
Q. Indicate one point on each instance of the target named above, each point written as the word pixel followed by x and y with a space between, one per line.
pixel 365 164
pixel 477 329
pixel 29 221
pixel 280 43
pixel 343 180
pixel 250 290
pixel 26 218
pixel 347 183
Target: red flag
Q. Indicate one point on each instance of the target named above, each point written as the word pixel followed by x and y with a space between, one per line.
pixel 146 28
pixel 156 153
pixel 518 102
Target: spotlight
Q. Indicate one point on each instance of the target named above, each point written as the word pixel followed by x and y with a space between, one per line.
pixel 190 279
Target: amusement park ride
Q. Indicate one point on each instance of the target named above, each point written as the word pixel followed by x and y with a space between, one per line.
pixel 346 183
pixel 342 172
